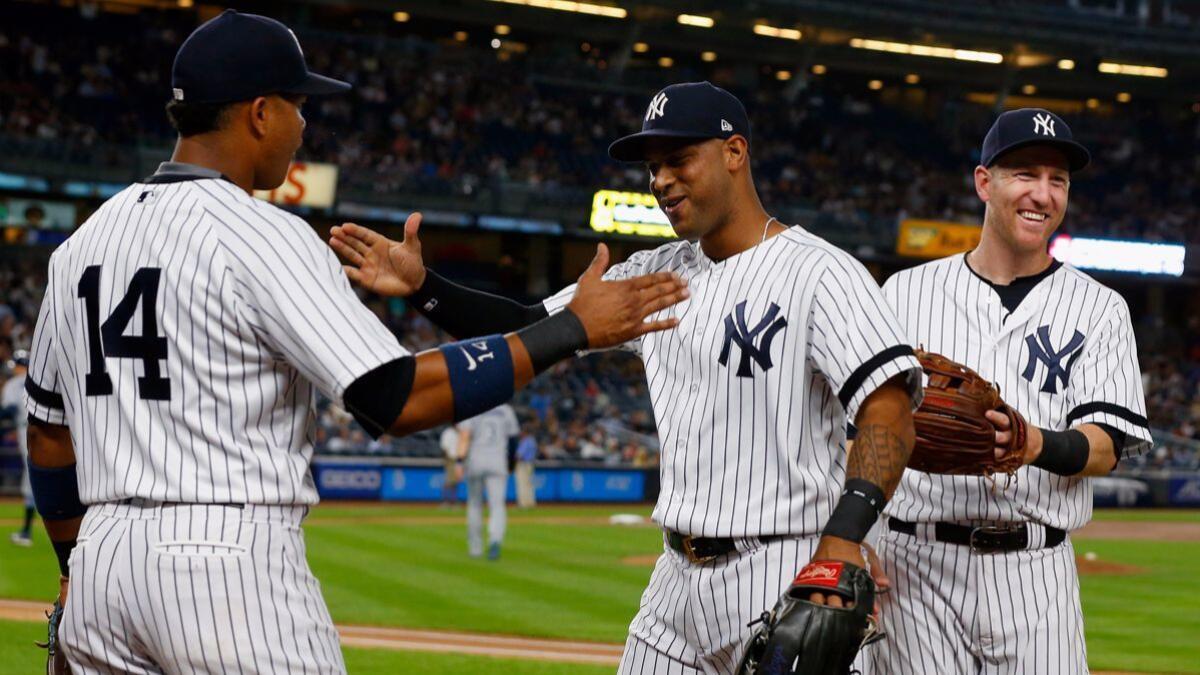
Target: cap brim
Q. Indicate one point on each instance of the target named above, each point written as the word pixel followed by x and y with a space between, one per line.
pixel 1077 156
pixel 632 148
pixel 319 85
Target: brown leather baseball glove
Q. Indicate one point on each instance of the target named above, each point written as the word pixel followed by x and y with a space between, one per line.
pixel 953 435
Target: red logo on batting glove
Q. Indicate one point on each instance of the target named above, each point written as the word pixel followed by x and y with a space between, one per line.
pixel 820 574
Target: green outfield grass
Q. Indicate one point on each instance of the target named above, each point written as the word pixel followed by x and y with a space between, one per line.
pixel 1149 515
pixel 562 575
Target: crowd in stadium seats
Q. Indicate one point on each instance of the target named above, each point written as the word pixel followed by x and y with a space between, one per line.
pixel 446 117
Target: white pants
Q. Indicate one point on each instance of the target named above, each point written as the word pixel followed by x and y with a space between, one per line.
pixel 526 497
pixel 195 589
pixel 693 618
pixel 954 611
pixel 495 485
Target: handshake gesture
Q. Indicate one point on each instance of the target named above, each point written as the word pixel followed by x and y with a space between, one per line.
pixel 612 312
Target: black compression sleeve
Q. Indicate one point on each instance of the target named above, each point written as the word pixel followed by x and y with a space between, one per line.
pixel 376 398
pixel 465 312
pixel 1117 436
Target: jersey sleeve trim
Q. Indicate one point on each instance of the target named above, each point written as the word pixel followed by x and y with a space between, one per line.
pixel 855 382
pixel 1124 413
pixel 1135 427
pixel 43 397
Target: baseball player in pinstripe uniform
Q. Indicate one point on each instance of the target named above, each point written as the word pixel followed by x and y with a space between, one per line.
pixel 784 340
pixel 983 571
pixel 185 329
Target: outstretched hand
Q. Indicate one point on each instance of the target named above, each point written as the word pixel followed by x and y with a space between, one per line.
pixel 378 264
pixel 614 312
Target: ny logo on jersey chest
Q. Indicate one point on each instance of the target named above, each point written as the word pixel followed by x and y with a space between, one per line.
pixel 763 332
pixel 1040 350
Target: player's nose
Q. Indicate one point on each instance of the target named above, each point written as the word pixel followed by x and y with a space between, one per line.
pixel 661 181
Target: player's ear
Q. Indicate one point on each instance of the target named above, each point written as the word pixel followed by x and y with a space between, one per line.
pixel 260 116
pixel 736 152
pixel 983 183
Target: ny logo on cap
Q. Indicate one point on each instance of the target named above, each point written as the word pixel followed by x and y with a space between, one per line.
pixel 656 106
pixel 726 126
pixel 1043 124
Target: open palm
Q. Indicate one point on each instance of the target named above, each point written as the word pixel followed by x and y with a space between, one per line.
pixel 378 264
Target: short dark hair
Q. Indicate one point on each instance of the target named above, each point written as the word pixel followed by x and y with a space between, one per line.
pixel 191 119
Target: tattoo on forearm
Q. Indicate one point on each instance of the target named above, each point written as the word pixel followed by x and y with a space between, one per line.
pixel 879 455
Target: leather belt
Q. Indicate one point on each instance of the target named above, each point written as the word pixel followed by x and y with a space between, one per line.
pixel 984 538
pixel 154 503
pixel 700 550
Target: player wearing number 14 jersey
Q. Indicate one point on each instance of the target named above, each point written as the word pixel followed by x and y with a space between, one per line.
pixel 184 332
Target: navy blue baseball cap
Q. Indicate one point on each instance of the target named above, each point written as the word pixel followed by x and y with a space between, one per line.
pixel 690 110
pixel 236 57
pixel 1032 126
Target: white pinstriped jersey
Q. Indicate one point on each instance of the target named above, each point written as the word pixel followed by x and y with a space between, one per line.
pixel 775 350
pixel 184 331
pixel 1065 356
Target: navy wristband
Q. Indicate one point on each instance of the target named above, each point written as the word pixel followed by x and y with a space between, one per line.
pixel 55 492
pixel 856 511
pixel 481 374
pixel 1064 452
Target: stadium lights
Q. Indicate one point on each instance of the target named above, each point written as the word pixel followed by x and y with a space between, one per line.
pixel 1092 103
pixel 1123 97
pixel 502 29
pixel 708 57
pixel 912 78
pixel 666 61
pixel 184 4
pixel 400 17
pixel 783 75
pixel 819 69
pixel 927 50
pixel 1029 90
pixel 776 32
pixel 696 20
pixel 875 85
pixel 568 6
pixel 641 47
pixel 1130 69
pixel 460 35
pixel 1066 64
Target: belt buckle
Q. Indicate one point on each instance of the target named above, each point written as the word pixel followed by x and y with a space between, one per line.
pixel 984 546
pixel 690 552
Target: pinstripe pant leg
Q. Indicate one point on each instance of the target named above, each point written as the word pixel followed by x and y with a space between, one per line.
pixel 235 591
pixel 640 658
pixel 1033 622
pixel 730 593
pixel 658 633
pixel 929 612
pixel 96 634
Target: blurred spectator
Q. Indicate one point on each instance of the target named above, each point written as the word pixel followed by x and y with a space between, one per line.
pixel 526 454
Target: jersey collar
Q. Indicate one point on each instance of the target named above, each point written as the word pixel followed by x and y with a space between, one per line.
pixel 177 172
